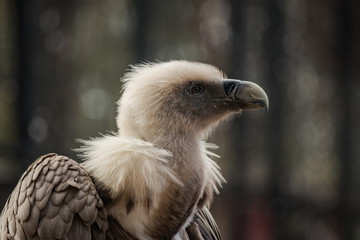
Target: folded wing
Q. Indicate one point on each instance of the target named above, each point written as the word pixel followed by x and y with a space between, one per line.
pixel 54 199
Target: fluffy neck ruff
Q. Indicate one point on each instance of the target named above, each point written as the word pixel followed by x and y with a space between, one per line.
pixel 137 170
pixel 128 167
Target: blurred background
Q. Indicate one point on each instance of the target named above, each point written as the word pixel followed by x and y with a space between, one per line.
pixel 293 173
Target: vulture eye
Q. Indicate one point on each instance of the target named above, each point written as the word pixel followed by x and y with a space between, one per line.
pixel 195 89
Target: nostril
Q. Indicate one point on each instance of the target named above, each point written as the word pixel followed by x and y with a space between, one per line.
pixel 230 88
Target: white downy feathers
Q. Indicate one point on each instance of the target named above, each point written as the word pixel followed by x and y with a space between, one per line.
pixel 128 166
pixel 132 166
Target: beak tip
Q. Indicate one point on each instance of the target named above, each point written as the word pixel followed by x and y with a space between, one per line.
pixel 267 105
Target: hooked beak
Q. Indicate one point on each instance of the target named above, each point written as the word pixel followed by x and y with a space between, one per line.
pixel 250 96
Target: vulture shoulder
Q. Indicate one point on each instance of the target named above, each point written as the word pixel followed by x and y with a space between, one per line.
pixel 54 199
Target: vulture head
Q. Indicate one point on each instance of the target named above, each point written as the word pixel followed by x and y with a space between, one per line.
pixel 175 98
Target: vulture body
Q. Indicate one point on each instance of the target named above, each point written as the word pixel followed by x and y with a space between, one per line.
pixel 153 179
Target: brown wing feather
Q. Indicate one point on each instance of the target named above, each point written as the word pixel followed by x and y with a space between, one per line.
pixel 117 232
pixel 54 199
pixel 203 226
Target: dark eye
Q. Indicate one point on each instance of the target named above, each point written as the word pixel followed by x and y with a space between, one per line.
pixel 195 89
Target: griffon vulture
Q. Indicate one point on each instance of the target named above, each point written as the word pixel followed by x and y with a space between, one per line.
pixel 153 179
